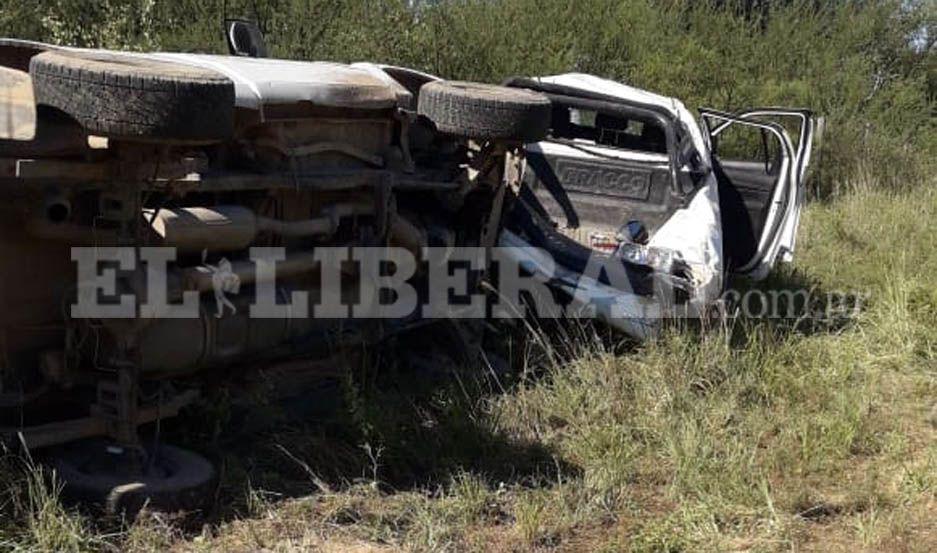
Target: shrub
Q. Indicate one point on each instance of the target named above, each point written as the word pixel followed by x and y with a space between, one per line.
pixel 868 67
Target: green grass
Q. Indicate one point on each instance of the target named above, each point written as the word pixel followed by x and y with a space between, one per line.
pixel 764 436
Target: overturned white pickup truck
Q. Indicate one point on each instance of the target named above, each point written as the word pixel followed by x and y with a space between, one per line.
pixel 279 188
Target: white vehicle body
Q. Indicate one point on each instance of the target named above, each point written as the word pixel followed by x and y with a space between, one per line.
pixel 695 232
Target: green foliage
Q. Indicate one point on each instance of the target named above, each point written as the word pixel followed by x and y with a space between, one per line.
pixel 867 67
pixel 757 432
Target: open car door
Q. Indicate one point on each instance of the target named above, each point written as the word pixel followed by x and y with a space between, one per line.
pixel 761 176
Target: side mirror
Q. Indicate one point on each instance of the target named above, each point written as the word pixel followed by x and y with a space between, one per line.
pixel 245 39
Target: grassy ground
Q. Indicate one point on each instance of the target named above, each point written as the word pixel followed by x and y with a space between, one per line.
pixel 810 434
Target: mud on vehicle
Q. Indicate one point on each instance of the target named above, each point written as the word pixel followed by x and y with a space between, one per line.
pixel 212 155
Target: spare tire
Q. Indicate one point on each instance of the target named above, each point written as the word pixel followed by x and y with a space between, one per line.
pixel 174 480
pixel 486 111
pixel 132 97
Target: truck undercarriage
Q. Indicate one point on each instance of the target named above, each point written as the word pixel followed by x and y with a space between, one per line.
pixel 131 153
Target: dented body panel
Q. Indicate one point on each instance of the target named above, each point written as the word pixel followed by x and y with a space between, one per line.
pixel 605 168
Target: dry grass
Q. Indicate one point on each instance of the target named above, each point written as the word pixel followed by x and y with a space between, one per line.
pixel 771 435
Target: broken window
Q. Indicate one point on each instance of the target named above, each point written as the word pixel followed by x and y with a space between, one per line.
pixel 607 129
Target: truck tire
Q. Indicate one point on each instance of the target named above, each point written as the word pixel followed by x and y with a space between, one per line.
pixel 176 480
pixel 130 97
pixel 485 111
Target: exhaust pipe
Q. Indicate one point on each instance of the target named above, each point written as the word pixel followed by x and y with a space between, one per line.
pixel 234 227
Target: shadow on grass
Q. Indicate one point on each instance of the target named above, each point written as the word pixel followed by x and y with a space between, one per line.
pixel 415 418
pixel 412 419
pixel 789 302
